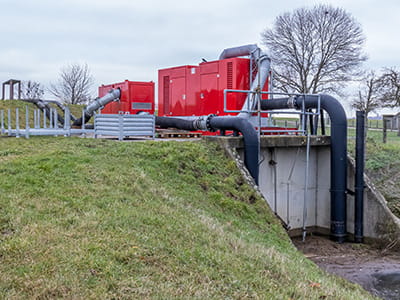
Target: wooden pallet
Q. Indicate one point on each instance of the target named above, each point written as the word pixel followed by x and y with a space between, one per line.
pixel 167 133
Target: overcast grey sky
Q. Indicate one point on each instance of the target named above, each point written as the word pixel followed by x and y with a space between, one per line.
pixel 131 39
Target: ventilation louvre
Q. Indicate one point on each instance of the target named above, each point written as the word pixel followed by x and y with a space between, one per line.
pixel 230 75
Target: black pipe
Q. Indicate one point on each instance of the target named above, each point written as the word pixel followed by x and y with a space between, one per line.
pixel 250 137
pixel 45 108
pixel 359 178
pixel 321 114
pixel 78 122
pixel 311 117
pixel 338 153
pixel 171 122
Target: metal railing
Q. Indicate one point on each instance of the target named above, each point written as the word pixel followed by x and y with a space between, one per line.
pixel 302 113
pixel 38 122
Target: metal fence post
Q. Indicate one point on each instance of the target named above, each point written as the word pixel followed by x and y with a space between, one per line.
pixel 83 123
pixel 55 123
pixel 51 118
pixel 67 121
pixel 39 113
pixel 17 122
pixel 9 121
pixel 120 127
pixel 26 122
pixel 384 137
pixel 44 119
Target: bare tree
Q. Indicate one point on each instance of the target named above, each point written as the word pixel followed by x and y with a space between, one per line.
pixel 390 87
pixel 315 50
pixel 32 90
pixel 74 84
pixel 369 94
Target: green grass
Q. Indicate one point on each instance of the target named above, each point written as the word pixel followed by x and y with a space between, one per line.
pixel 382 164
pixel 97 219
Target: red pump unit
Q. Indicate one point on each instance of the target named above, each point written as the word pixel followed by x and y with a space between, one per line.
pixel 199 90
pixel 136 97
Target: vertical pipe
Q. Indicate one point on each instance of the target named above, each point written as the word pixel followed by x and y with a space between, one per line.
pixel 338 122
pixel 321 113
pixel 311 119
pixel 306 175
pixel 359 180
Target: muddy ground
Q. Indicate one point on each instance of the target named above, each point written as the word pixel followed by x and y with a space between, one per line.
pixel 376 270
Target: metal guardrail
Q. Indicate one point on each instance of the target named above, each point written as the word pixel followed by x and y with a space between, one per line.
pixel 124 125
pixel 120 125
pixel 269 122
pixel 40 124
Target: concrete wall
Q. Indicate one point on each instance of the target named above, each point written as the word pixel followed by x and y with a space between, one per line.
pixel 287 195
pixel 282 183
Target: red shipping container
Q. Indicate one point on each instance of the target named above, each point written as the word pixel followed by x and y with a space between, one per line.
pixel 136 97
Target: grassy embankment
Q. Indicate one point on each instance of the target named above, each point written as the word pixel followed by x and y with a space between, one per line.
pixel 382 165
pixel 93 219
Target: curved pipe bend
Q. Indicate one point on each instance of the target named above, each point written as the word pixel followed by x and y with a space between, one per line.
pixel 264 64
pixel 338 152
pixel 96 104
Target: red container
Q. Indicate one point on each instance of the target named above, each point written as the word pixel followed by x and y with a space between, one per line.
pixel 199 90
pixel 136 97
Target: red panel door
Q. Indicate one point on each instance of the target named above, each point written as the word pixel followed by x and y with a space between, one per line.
pixel 177 96
pixel 209 94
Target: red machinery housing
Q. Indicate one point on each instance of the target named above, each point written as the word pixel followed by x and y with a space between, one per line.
pixel 199 90
pixel 136 97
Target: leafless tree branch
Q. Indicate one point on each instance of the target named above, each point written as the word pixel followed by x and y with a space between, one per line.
pixel 315 50
pixel 74 84
pixel 31 90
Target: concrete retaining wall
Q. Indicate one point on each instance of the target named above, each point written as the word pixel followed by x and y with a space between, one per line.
pixel 282 183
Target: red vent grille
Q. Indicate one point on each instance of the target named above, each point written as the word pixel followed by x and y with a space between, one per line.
pixel 166 94
pixel 230 75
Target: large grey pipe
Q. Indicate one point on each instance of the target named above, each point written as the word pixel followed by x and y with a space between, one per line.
pixel 264 66
pixel 338 152
pixel 212 123
pixel 45 108
pixel 96 104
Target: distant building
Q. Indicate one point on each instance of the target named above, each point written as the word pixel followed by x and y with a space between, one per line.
pixel 393 121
